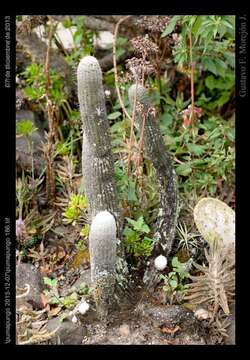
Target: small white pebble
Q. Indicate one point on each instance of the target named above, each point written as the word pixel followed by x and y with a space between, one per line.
pixel 124 330
pixel 74 319
pixel 160 262
pixel 83 307
pixel 201 314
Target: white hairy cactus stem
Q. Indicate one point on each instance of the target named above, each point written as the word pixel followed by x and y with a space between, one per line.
pixel 102 246
pixel 92 104
pixel 97 158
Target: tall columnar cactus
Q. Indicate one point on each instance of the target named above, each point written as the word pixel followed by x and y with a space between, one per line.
pixel 165 173
pixel 97 161
pixel 98 175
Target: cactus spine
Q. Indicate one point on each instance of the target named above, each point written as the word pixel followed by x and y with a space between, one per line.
pixel 165 173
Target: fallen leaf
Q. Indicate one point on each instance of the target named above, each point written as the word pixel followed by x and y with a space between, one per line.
pixel 80 258
pixel 61 277
pixel 61 253
pixel 190 306
pixel 183 255
pixel 45 269
pixel 171 331
pixel 44 300
pixel 54 311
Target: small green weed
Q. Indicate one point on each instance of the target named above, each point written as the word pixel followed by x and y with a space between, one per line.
pixel 174 282
pixel 136 243
pixel 77 206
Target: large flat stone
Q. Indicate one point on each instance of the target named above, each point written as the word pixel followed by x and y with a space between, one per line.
pixel 28 274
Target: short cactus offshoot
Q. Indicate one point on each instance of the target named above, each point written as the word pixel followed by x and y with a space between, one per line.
pixel 102 241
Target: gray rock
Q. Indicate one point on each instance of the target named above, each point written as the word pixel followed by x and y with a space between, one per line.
pixel 84 278
pixel 68 333
pixel 175 315
pixel 23 155
pixel 27 274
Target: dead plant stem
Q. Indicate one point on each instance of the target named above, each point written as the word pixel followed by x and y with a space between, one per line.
pixel 115 67
pixel 192 76
pixel 132 137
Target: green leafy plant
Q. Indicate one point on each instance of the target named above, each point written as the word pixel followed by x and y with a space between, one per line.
pixel 23 195
pixel 50 282
pixel 83 39
pixel 85 231
pixel 34 76
pixel 68 301
pixel 25 128
pixel 174 282
pixel 75 209
pixel 206 161
pixel 213 41
pixel 135 241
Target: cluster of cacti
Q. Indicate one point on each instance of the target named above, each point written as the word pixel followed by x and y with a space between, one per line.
pixel 107 269
pixel 161 160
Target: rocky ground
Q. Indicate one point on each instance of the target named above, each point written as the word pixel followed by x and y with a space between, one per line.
pixel 143 321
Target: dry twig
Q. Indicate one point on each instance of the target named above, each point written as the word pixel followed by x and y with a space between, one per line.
pixel 115 67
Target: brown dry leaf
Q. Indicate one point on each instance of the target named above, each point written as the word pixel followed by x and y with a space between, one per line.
pixel 61 277
pixel 54 311
pixel 45 269
pixel 44 300
pixel 61 253
pixel 171 331
pixel 190 306
pixel 183 255
pixel 80 258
